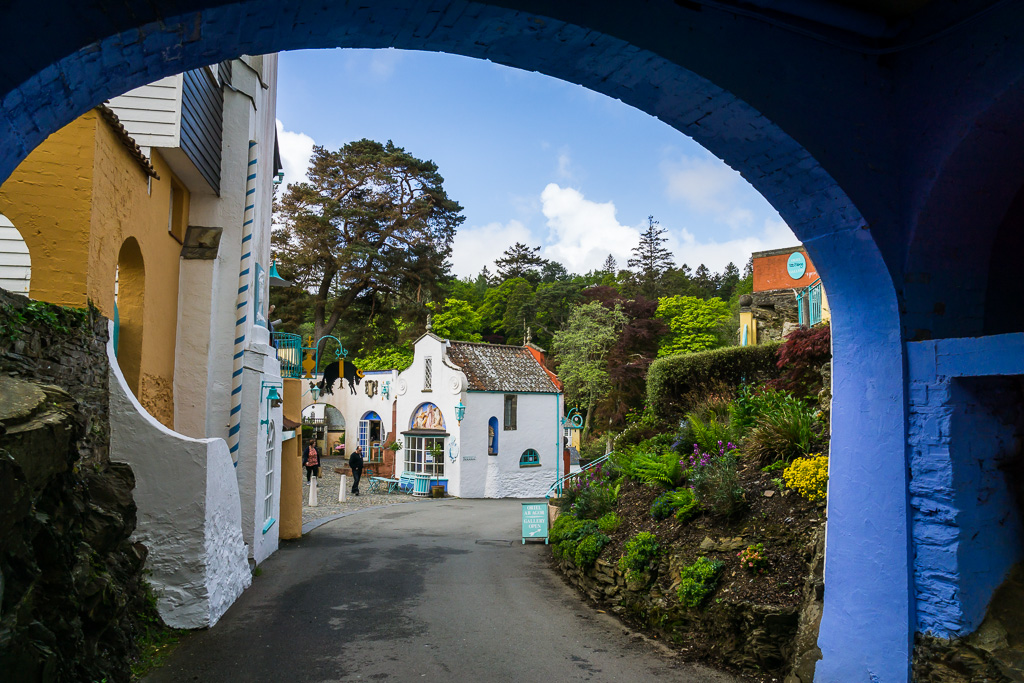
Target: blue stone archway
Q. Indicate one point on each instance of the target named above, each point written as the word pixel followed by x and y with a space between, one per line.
pixel 856 127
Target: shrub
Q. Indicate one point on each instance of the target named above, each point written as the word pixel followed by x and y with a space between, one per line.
pixel 681 502
pixel 579 540
pixel 716 484
pixel 676 383
pixel 608 523
pixel 752 558
pixel 640 550
pixel 801 358
pixel 648 468
pixel 595 500
pixel 698 580
pixel 708 435
pixel 809 477
pixel 782 435
pixel 588 549
pixel 753 402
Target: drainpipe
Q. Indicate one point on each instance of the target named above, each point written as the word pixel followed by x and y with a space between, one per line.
pixel 241 304
pixel 558 447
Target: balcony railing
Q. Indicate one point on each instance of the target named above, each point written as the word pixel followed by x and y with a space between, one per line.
pixel 808 304
pixel 289 352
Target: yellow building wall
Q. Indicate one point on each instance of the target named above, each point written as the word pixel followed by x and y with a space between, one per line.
pixel 124 205
pixel 76 199
pixel 291 464
pixel 48 198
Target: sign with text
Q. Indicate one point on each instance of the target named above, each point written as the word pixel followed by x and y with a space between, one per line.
pixel 535 521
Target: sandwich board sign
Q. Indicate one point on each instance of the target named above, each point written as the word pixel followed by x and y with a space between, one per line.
pixel 535 521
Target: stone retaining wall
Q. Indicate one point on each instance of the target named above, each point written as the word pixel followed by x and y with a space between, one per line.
pixel 747 636
pixel 70 579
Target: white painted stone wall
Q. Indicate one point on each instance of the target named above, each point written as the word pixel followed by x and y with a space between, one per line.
pixel 189 511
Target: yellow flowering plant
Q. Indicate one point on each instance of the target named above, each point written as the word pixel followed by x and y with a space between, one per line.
pixel 808 476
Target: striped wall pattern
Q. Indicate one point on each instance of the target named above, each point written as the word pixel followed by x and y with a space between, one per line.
pixel 242 303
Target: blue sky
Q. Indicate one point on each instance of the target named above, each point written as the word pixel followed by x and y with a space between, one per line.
pixel 531 158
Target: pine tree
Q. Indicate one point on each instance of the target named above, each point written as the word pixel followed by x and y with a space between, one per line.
pixel 651 259
pixel 610 265
pixel 518 260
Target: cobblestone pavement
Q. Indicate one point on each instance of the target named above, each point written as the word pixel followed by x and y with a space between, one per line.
pixel 327 494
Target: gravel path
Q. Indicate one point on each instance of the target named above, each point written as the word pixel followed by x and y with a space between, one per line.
pixel 327 495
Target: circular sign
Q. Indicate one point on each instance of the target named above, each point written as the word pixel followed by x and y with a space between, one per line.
pixel 797 265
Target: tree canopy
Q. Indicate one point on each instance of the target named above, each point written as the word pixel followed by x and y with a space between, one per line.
pixel 370 230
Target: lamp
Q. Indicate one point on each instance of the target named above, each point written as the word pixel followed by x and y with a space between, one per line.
pixel 273 398
pixel 315 390
pixel 460 411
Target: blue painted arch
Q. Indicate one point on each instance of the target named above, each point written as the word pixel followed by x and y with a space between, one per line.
pixel 828 133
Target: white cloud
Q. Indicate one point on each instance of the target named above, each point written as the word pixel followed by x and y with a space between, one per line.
pixel 565 165
pixel 583 232
pixel 707 185
pixel 478 246
pixel 296 150
pixel 775 234
pixel 373 64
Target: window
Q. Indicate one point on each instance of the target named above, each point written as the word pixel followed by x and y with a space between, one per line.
pixel 529 458
pixel 492 436
pixel 419 455
pixel 268 494
pixel 427 371
pixel 177 218
pixel 510 411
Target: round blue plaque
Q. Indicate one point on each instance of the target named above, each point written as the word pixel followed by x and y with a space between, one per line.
pixel 797 265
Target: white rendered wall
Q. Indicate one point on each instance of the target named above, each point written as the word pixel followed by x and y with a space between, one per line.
pixel 475 474
pixel 353 407
pixel 189 511
pixel 260 368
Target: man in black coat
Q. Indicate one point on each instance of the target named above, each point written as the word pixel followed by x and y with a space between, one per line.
pixel 355 461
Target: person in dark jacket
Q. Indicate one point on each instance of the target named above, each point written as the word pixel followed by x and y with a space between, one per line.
pixel 311 460
pixel 355 461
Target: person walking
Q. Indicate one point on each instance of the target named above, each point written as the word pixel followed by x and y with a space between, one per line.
pixel 355 461
pixel 311 461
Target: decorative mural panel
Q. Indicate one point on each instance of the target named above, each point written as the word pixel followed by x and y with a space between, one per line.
pixel 427 416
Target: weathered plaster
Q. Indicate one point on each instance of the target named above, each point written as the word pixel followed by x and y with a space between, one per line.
pixel 189 511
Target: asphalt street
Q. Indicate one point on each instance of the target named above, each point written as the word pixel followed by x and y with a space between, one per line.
pixel 432 591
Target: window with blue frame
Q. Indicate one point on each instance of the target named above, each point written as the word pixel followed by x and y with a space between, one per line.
pixel 529 458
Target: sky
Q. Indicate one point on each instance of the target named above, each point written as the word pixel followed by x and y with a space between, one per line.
pixel 531 158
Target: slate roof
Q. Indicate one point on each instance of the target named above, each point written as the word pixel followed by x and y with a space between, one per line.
pixel 496 367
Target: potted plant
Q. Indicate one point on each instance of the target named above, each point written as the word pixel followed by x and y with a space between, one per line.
pixel 437 455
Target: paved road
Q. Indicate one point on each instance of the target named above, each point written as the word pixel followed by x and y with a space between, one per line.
pixel 431 591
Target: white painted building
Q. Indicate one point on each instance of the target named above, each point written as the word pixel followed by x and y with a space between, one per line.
pixel 15 261
pixel 208 492
pixel 510 441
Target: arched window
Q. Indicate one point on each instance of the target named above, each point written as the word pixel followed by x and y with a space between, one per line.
pixel 529 458
pixel 15 261
pixel 129 301
pixel 492 436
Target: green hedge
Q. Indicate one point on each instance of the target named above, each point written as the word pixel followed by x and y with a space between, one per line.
pixel 675 383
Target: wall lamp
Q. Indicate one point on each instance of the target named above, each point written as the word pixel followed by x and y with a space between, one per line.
pixel 460 411
pixel 273 397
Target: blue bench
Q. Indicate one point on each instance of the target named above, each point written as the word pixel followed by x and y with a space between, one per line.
pixel 406 482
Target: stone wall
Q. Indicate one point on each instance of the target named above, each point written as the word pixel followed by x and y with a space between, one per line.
pixel 775 313
pixel 70 579
pixel 747 636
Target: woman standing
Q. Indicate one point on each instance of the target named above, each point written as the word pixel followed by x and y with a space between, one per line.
pixel 311 460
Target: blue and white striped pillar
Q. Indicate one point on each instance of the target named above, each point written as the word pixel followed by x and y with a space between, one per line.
pixel 242 303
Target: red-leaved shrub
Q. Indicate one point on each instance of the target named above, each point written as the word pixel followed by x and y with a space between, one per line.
pixel 801 357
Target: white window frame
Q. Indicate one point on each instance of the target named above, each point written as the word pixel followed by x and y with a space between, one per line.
pixel 416 448
pixel 268 479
